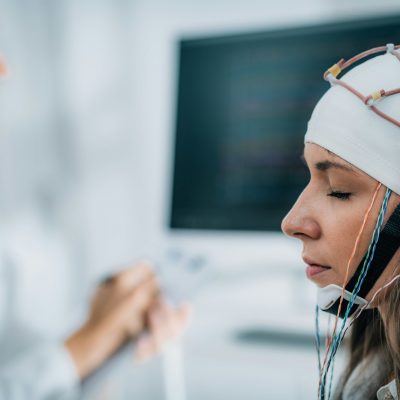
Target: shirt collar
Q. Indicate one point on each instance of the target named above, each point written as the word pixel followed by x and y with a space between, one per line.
pixel 388 392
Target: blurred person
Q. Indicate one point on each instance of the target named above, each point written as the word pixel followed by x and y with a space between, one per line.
pixel 348 219
pixel 126 306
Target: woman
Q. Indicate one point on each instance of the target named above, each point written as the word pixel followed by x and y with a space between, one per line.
pixel 348 220
pixel 123 307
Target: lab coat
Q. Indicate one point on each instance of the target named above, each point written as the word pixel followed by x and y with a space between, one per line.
pixel 45 372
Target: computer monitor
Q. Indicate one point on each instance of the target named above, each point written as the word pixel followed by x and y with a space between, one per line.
pixel 243 102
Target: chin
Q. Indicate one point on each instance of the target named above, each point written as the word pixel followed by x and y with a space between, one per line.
pixel 320 276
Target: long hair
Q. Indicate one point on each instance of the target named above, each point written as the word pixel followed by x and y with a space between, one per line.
pixel 371 334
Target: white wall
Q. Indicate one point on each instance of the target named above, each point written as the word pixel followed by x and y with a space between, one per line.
pixel 66 149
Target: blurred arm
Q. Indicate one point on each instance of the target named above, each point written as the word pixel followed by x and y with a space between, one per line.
pixel 44 373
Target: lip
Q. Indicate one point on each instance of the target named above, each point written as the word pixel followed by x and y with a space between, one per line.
pixel 314 268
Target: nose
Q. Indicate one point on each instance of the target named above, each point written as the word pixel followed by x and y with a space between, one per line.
pixel 301 221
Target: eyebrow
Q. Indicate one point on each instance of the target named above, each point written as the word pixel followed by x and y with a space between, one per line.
pixel 327 164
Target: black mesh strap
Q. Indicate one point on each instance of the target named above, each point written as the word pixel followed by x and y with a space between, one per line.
pixel 335 307
pixel 388 243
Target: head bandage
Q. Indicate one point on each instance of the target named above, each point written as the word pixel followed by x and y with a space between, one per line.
pixel 358 118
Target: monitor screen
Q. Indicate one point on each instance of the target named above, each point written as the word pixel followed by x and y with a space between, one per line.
pixel 243 102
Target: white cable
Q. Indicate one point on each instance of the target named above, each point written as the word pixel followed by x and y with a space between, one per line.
pixel 173 370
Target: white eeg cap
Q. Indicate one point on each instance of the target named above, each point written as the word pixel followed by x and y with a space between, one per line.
pixel 344 125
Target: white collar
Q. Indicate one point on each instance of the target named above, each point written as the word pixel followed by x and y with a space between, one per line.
pixel 388 391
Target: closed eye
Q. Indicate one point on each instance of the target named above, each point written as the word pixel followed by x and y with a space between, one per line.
pixel 340 195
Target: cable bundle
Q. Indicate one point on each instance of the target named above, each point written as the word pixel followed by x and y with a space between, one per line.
pixel 334 342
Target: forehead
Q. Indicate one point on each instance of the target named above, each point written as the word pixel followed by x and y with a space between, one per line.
pixel 321 159
pixel 313 151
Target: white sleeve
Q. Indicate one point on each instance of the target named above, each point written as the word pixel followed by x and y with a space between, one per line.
pixel 46 372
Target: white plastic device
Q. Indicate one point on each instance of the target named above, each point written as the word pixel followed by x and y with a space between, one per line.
pixel 328 295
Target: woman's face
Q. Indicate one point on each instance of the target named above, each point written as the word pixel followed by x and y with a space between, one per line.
pixel 328 215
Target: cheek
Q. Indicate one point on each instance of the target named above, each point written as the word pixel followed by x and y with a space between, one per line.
pixel 341 230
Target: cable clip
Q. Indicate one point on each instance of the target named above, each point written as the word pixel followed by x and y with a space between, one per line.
pixel 335 70
pixel 390 48
pixel 374 97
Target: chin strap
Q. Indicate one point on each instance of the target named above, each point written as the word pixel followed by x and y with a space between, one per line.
pixel 386 247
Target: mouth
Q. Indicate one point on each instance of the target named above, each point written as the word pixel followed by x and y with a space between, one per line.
pixel 313 268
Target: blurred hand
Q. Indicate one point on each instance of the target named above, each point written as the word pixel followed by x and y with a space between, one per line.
pixel 122 301
pixel 122 308
pixel 165 324
pixel 117 313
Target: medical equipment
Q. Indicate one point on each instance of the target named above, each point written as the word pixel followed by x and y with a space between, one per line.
pixel 372 99
pixel 358 118
pixel 240 103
